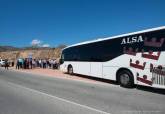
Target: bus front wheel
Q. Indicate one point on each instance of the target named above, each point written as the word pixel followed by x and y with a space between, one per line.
pixel 70 70
pixel 125 79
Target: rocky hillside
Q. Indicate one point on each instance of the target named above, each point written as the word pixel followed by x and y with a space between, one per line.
pixel 37 53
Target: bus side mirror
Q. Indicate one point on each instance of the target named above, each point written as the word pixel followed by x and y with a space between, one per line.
pixel 61 61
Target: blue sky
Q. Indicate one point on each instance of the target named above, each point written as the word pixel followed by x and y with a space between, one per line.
pixel 55 22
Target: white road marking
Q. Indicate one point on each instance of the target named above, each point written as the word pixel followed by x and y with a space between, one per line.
pixel 61 99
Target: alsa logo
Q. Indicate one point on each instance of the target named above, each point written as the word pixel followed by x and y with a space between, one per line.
pixel 131 40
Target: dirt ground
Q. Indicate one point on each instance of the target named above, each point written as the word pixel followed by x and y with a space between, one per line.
pixel 57 74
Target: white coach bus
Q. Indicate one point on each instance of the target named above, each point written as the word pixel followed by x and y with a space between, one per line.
pixel 133 58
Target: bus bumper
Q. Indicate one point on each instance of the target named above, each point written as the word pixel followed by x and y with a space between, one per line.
pixel 63 68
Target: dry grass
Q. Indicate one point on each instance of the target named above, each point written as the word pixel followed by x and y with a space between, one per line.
pixel 40 53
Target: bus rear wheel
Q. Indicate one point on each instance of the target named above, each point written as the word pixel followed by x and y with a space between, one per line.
pixel 125 79
pixel 70 70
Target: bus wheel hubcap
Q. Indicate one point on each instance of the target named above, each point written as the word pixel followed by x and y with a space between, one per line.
pixel 70 70
pixel 124 79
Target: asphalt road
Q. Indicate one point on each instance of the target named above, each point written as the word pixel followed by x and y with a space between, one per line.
pixel 23 93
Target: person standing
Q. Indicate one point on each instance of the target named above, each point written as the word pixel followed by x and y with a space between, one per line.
pixel 12 63
pixel 33 63
pixel 40 63
pixel 17 65
pixel 27 63
pixel 6 64
pixel 47 63
pixel 51 62
pixel 54 64
pixel 30 63
pixel 24 63
pixel 44 63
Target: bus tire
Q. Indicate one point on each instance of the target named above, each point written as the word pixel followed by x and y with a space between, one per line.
pixel 70 70
pixel 125 79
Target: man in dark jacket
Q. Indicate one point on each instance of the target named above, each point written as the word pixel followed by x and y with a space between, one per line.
pixel 6 64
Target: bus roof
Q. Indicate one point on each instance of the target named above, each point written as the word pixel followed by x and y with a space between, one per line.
pixel 118 36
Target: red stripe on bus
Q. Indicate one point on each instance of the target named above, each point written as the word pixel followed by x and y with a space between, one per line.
pixel 144 81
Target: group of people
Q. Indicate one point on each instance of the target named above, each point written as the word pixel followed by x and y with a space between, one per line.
pixel 29 63
pixel 47 63
pixel 24 63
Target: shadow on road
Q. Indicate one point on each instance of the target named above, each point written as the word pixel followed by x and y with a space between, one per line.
pixel 143 88
pixel 150 89
pixel 96 79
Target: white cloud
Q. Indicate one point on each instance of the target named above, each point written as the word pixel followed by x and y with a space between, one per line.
pixel 36 42
pixel 45 45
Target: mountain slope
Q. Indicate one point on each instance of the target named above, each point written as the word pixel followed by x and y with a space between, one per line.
pixel 8 48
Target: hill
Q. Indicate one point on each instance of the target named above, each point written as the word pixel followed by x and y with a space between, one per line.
pixel 12 53
pixel 8 48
